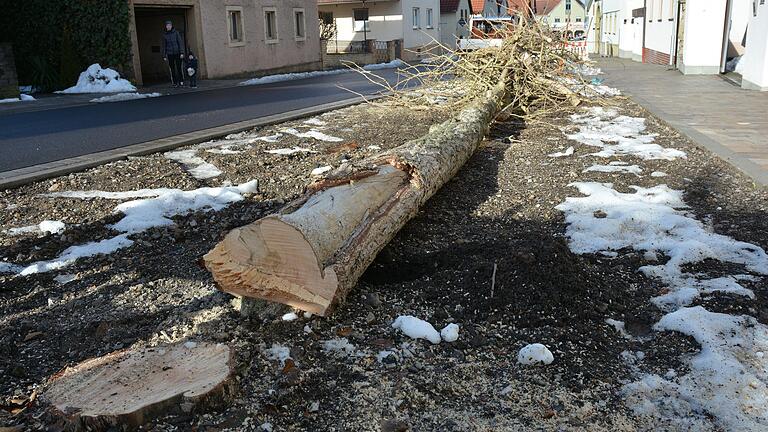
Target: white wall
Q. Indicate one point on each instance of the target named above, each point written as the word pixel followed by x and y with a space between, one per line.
pixel 740 13
pixel 385 20
pixel 449 28
pixel 702 47
pixel 388 20
pixel 755 68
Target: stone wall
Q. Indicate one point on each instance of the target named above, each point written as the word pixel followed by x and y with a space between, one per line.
pixel 9 84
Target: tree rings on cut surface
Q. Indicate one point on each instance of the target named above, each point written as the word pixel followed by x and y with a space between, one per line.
pixel 130 387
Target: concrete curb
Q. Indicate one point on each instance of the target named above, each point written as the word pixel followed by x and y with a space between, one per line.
pixel 22 176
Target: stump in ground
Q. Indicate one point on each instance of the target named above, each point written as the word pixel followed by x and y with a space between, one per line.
pixel 130 387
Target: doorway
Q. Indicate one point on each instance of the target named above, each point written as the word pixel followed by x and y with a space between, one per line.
pixel 150 25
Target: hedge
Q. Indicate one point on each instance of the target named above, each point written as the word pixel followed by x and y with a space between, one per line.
pixel 54 40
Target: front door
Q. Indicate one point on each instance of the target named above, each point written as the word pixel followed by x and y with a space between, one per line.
pixel 680 34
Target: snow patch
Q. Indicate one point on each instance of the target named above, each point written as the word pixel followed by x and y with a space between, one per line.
pixel 569 151
pixel 658 174
pixel 314 134
pixel 119 97
pixel 618 135
pixel 315 122
pixel 278 352
pixel 73 253
pixel 193 164
pixel 649 220
pixel 341 347
pixel 98 80
pixel 321 170
pixel 450 333
pixel 534 354
pixel 22 98
pixel 46 227
pixel 416 328
pixel 727 378
pixel 290 151
pixel 616 167
pixel 290 316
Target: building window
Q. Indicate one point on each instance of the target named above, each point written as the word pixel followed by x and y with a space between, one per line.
pixel 568 5
pixel 361 20
pixel 270 25
pixel 416 19
pixel 557 20
pixel 429 18
pixel 299 25
pixel 326 17
pixel 235 26
pixel 578 19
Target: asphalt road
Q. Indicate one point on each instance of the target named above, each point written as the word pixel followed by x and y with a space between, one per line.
pixel 32 138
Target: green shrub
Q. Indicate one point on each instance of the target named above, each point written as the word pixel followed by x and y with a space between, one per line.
pixel 54 40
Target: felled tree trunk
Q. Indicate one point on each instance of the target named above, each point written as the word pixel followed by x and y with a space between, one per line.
pixel 311 256
pixel 130 387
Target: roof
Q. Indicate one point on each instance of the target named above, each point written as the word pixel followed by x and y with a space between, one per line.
pixel 449 5
pixel 477 6
pixel 543 7
pixel 513 6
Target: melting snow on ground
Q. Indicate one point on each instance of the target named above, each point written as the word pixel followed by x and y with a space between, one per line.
pixel 567 152
pixel 119 97
pixel 290 151
pixel 652 219
pixel 727 378
pixel 140 215
pixel 314 134
pixel 618 135
pixel 46 227
pixel 616 167
pixel 22 98
pixel 98 80
pixel 194 164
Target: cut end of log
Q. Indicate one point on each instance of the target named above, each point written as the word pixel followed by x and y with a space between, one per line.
pixel 293 258
pixel 272 260
pixel 130 387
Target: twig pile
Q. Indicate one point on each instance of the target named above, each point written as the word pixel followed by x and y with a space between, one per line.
pixel 542 73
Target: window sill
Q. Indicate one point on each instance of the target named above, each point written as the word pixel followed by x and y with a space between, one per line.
pixel 430 28
pixel 236 44
pixel 300 39
pixel 416 28
pixel 271 41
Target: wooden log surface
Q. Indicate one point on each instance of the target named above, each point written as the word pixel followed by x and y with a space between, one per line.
pixel 312 253
pixel 128 388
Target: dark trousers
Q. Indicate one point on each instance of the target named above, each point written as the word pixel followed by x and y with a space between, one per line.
pixel 174 62
pixel 193 80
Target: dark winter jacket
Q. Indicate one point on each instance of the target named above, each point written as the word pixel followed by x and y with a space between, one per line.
pixel 192 63
pixel 172 44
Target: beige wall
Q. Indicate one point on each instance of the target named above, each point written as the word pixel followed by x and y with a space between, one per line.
pixel 208 36
pixel 255 54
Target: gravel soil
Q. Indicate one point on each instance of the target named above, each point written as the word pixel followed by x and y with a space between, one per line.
pixel 487 253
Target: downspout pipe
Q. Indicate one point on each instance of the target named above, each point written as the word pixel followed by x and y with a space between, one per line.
pixel 726 34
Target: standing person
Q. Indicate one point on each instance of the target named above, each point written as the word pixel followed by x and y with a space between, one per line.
pixel 192 70
pixel 173 53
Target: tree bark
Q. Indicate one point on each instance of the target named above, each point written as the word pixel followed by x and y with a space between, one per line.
pixel 130 387
pixel 312 253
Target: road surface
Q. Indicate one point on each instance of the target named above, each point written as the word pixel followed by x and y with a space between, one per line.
pixel 32 138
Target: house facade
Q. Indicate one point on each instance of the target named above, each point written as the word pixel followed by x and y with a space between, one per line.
pixel 414 22
pixel 231 38
pixel 568 16
pixel 454 21
pixel 690 35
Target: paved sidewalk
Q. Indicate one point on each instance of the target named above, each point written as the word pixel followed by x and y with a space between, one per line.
pixel 726 119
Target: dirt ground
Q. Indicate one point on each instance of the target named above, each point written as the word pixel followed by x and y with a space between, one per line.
pixel 498 211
